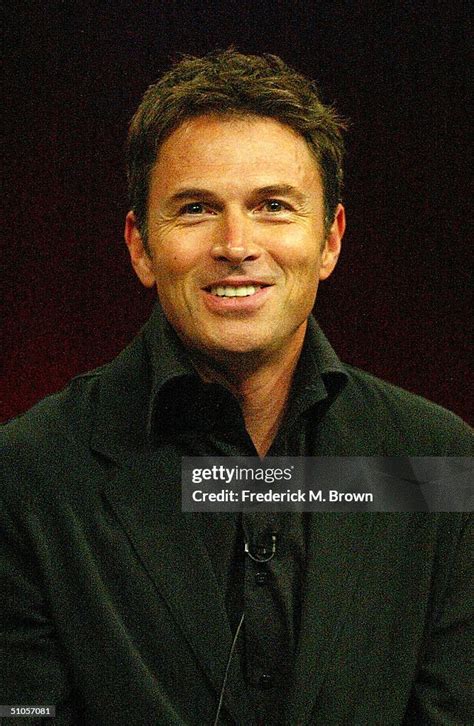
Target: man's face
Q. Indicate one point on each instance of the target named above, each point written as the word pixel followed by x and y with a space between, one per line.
pixel 236 242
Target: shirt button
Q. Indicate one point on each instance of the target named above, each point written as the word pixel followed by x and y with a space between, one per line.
pixel 265 681
pixel 261 577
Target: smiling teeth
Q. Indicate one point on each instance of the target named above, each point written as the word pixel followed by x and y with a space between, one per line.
pixel 235 291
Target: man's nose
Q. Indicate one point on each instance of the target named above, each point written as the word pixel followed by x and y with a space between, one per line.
pixel 234 241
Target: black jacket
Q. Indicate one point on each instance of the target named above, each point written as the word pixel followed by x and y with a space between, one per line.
pixel 109 607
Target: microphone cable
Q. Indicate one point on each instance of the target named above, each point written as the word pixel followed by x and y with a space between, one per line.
pixel 226 674
pixel 260 558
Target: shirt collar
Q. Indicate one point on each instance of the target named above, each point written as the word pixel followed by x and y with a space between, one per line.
pixel 320 374
pixel 168 357
pixel 324 358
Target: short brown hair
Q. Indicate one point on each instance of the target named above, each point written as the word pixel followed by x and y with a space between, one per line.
pixel 230 83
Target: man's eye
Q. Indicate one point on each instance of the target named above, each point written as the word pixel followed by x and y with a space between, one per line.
pixel 273 205
pixel 193 208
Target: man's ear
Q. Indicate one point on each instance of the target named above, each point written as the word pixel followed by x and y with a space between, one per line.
pixel 141 260
pixel 332 245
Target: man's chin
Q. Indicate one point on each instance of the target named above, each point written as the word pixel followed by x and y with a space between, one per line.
pixel 235 349
pixel 240 344
pixel 230 346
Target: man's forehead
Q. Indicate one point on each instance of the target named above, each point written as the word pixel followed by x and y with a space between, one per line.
pixel 258 149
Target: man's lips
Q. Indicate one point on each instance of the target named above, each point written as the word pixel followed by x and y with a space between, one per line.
pixel 241 280
pixel 231 288
pixel 244 296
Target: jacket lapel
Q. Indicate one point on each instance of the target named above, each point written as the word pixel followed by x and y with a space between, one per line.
pixel 168 543
pixel 335 560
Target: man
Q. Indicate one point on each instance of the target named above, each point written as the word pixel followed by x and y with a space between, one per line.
pixel 119 608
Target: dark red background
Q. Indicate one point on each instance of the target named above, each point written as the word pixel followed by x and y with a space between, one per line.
pixel 398 304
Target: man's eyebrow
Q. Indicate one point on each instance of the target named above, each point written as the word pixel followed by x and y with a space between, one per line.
pixel 283 190
pixel 190 193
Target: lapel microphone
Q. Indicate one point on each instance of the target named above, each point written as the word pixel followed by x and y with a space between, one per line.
pixel 262 552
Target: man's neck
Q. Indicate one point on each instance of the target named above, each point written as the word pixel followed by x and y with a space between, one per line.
pixel 261 386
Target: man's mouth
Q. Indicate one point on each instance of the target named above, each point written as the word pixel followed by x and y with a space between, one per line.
pixel 240 291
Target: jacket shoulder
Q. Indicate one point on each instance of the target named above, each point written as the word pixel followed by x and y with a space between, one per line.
pixel 407 423
pixel 38 447
pixel 52 442
pixel 54 416
pixel 69 414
